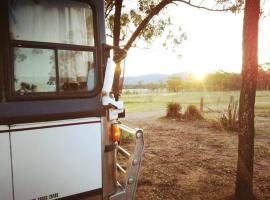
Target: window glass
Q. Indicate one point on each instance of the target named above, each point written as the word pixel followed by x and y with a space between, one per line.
pixel 76 70
pixel 62 21
pixel 33 69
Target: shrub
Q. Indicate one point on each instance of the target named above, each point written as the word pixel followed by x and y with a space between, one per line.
pixel 192 113
pixel 229 119
pixel 174 110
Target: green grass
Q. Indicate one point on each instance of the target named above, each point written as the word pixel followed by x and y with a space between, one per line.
pixel 217 101
pixel 157 101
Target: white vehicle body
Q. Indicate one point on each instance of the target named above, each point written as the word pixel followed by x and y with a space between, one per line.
pixel 68 151
pixel 46 156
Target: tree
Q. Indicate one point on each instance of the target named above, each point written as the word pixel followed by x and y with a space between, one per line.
pixel 127 26
pixel 222 81
pixel 244 178
pixel 263 80
pixel 174 84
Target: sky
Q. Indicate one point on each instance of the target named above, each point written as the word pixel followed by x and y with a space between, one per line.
pixel 214 43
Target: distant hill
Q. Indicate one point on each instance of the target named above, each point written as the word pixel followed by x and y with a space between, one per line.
pixel 152 78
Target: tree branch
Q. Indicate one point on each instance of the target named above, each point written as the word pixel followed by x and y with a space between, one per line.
pixel 144 48
pixel 109 7
pixel 145 22
pixel 203 7
pixel 156 10
pixel 109 35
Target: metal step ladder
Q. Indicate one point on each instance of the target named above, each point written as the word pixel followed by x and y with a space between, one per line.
pixel 131 172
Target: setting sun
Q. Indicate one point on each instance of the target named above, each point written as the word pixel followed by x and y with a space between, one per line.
pixel 199 75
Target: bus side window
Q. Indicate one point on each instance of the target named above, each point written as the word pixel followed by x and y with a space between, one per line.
pixel 53 46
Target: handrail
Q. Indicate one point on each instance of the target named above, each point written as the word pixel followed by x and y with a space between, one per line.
pixel 127 192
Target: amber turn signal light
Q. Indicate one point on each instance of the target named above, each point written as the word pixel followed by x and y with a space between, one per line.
pixel 115 131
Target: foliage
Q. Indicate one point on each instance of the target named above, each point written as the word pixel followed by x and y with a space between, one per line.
pixel 222 81
pixel 229 119
pixel 26 88
pixel 174 110
pixel 174 84
pixel 263 79
pixel 218 81
pixel 192 113
pixel 133 15
pixel 147 19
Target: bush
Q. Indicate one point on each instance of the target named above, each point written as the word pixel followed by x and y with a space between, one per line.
pixel 192 113
pixel 229 119
pixel 225 122
pixel 174 110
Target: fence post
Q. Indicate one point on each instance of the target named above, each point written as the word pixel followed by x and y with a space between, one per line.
pixel 218 102
pixel 230 110
pixel 201 105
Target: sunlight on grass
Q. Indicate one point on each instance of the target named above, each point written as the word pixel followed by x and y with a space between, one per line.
pixel 157 101
pixel 212 100
pixel 215 103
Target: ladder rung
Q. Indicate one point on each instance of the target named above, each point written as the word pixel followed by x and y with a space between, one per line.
pixel 119 167
pixel 119 185
pixel 123 151
pixel 127 129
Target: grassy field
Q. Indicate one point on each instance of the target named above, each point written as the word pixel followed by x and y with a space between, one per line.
pixel 212 100
pixel 215 103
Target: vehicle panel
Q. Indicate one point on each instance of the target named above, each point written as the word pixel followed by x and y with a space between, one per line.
pixel 5 165
pixel 56 160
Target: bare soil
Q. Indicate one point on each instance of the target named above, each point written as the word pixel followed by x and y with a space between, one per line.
pixel 193 160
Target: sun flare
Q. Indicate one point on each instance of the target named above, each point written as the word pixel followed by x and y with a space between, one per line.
pixel 199 75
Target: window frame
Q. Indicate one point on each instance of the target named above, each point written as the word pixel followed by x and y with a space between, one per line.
pixel 1 77
pixel 1 67
pixel 11 44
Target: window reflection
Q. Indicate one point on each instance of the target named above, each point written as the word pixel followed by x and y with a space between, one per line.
pixel 33 69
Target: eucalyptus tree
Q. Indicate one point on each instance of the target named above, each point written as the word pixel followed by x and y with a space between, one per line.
pixel 131 21
pixel 244 178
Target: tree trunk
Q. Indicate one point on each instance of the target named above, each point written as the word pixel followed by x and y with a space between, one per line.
pixel 118 54
pixel 244 178
pixel 116 41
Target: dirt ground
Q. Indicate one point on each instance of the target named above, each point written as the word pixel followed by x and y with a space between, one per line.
pixel 193 160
